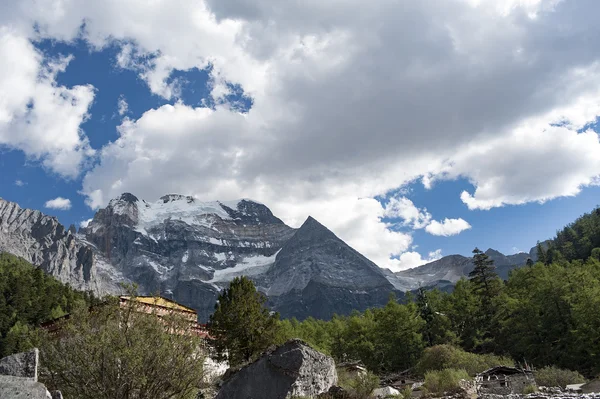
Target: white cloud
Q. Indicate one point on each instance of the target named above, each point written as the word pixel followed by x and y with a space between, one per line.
pixel 406 210
pixel 85 223
pixel 59 203
pixel 408 260
pixel 122 106
pixel 37 115
pixel 19 183
pixel 349 101
pixel 448 227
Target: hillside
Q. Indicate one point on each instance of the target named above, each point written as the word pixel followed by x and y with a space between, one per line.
pixel 28 297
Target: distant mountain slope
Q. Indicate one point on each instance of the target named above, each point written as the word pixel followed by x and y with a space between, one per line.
pixel 446 271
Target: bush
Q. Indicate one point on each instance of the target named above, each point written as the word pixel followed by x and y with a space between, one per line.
pixel 529 389
pixel 554 377
pixel 447 380
pixel 441 357
pixel 364 385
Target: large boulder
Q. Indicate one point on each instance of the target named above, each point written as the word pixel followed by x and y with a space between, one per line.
pixel 22 388
pixel 293 369
pixel 23 364
pixel 18 377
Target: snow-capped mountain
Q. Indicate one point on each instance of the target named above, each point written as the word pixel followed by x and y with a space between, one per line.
pixel 183 248
pixel 189 250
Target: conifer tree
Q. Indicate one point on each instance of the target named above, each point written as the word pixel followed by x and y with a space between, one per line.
pixel 486 286
pixel 242 327
pixel 483 276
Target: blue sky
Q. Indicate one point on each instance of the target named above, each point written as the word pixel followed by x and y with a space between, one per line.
pixel 299 109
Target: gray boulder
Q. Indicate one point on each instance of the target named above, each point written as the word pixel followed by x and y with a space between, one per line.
pixel 23 364
pixel 22 388
pixel 293 369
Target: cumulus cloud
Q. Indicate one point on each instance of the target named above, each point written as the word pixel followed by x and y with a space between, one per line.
pixel 19 183
pixel 447 227
pixel 85 223
pixel 37 115
pixel 408 260
pixel 59 203
pixel 406 210
pixel 350 101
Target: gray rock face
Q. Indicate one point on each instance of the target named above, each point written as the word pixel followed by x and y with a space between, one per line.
pixel 22 388
pixel 317 274
pixel 185 249
pixel 293 369
pixel 44 242
pixel 23 364
pixel 18 377
pixel 445 272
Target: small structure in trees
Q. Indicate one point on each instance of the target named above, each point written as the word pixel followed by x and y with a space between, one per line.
pixel 502 380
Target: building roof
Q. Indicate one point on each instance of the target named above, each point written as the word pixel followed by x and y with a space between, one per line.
pixel 503 370
pixel 159 301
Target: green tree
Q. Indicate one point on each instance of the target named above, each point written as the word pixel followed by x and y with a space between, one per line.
pixel 487 287
pixel 29 297
pixel 242 327
pixel 484 277
pixel 123 353
pixel 541 253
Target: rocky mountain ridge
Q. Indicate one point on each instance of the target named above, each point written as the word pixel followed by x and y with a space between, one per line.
pixel 189 250
pixel 44 242
pixel 446 271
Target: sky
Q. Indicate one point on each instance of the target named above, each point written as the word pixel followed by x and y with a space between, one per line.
pixel 412 129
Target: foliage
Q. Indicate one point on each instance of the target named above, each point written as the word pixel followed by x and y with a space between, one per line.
pixel 242 327
pixel 449 357
pixel 364 385
pixel 576 241
pixel 446 380
pixel 114 353
pixel 530 389
pixel 29 297
pixel 406 393
pixel 555 377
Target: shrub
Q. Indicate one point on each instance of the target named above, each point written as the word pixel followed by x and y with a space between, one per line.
pixel 364 385
pixel 406 393
pixel 441 357
pixel 529 389
pixel 555 377
pixel 447 380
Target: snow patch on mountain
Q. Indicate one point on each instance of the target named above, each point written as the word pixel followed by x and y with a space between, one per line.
pixel 250 266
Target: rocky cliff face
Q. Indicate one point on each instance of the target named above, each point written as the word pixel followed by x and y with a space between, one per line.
pixel 317 274
pixel 183 248
pixel 44 242
pixel 189 250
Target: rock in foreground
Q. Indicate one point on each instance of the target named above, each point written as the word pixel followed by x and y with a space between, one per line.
pixel 293 369
pixel 18 377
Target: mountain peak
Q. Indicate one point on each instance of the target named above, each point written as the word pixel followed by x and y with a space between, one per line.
pixel 128 197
